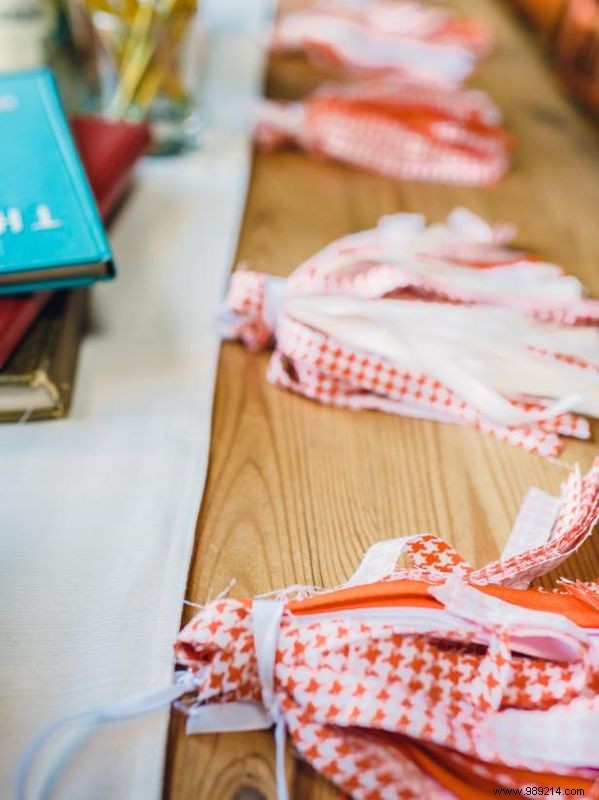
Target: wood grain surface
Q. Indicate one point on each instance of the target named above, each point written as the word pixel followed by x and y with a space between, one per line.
pixel 297 492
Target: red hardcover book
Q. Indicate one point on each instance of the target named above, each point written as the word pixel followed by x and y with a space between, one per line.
pixel 109 151
pixel 17 315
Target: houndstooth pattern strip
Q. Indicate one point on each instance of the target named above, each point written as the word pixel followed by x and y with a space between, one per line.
pixel 312 364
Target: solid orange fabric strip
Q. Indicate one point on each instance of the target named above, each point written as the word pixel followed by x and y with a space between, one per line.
pixel 415 593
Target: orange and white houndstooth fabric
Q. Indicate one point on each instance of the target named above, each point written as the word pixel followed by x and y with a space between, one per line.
pixel 437 681
pixel 444 322
pixel 434 680
pixel 408 38
pixel 402 128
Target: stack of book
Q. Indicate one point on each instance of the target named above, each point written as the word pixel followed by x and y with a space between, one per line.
pixel 59 185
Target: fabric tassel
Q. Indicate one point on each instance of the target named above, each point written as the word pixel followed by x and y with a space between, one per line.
pixel 404 129
pixel 411 39
pixel 430 681
pixel 443 322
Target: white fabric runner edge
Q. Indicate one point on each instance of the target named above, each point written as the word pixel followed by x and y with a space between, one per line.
pixel 99 510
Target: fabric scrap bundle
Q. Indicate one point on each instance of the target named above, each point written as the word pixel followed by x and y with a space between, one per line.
pixel 409 38
pixel 443 322
pixel 434 681
pixel 409 119
pixel 404 129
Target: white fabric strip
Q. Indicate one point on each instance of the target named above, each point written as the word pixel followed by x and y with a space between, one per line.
pixel 227 718
pixel 379 561
pixel 480 353
pixel 537 633
pixel 266 622
pixel 266 619
pixel 534 523
pixel 99 510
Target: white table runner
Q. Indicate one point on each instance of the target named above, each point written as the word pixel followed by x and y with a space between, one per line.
pixel 98 511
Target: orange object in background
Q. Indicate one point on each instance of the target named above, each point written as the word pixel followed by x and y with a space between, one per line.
pixel 571 30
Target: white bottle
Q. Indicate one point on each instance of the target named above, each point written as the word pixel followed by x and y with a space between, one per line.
pixel 25 28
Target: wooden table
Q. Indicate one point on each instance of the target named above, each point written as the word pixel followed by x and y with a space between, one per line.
pixel 297 492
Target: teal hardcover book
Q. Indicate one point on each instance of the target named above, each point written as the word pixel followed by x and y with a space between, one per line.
pixel 51 235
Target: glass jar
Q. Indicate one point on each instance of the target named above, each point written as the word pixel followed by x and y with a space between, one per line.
pixel 140 60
